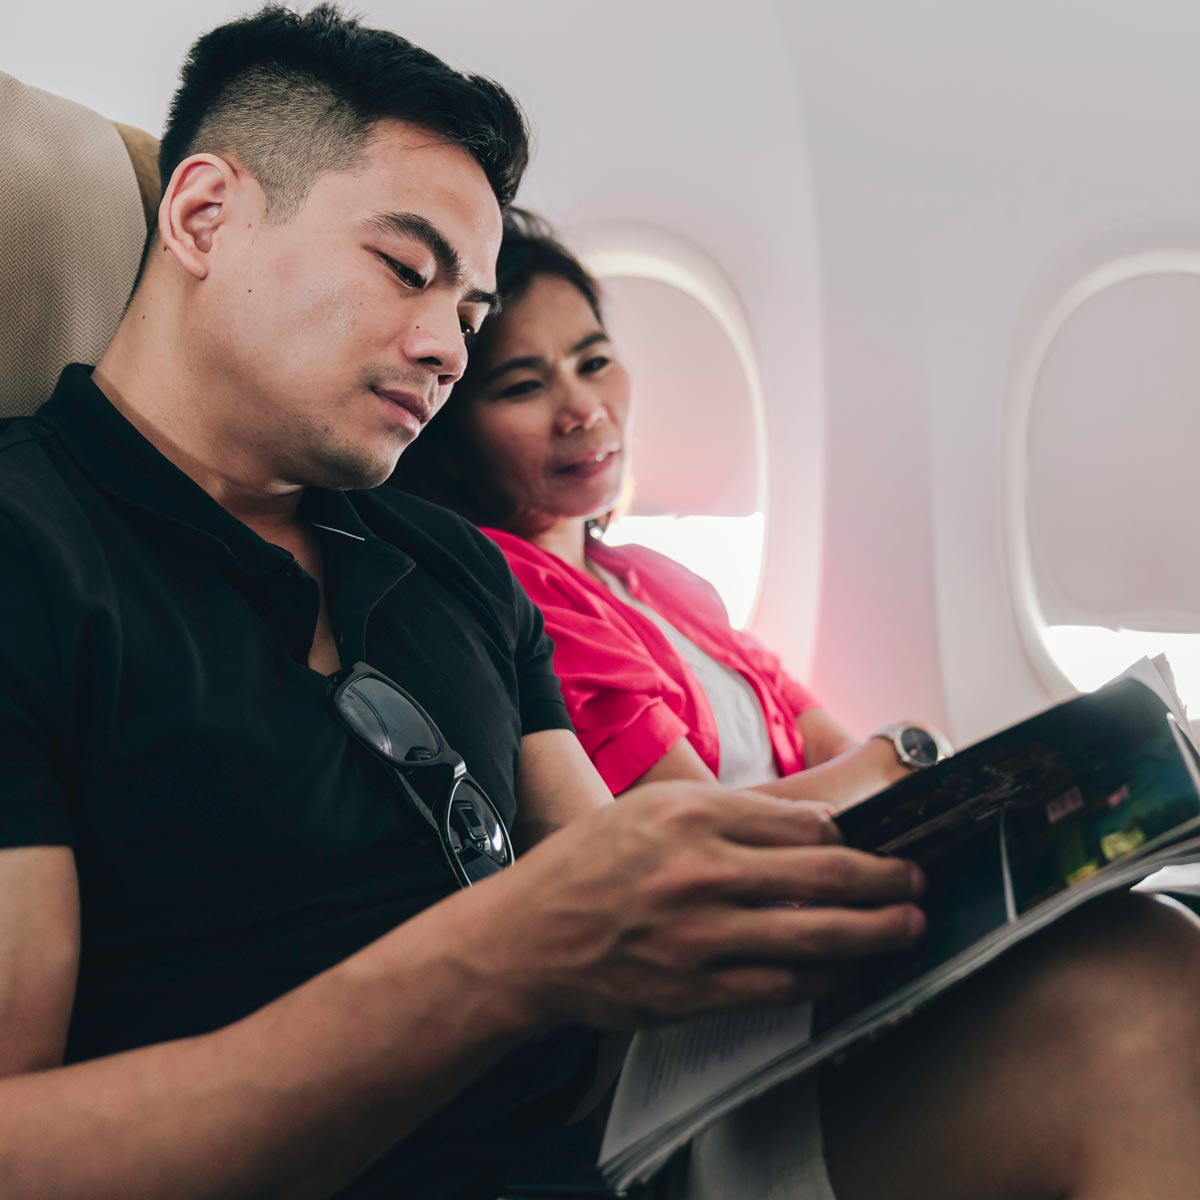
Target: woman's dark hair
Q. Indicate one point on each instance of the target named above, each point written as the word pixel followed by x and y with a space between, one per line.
pixel 294 95
pixel 443 464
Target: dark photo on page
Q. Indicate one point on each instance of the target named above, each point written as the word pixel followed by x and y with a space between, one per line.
pixel 1047 804
pixel 964 901
pixel 1094 807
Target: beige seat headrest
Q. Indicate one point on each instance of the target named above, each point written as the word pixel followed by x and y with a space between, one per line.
pixel 70 240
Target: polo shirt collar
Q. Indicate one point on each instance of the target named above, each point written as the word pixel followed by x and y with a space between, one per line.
pixel 124 464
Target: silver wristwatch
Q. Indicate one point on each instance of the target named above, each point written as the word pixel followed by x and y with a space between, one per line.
pixel 915 746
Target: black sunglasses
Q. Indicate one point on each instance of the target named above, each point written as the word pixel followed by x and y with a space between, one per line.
pixel 393 726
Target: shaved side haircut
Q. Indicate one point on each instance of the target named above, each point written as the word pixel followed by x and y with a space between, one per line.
pixel 291 96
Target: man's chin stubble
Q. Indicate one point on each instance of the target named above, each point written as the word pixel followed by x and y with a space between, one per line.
pixel 346 471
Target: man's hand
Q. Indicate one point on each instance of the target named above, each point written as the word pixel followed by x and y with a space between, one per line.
pixel 686 897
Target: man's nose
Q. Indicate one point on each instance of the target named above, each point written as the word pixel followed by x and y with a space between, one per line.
pixel 435 342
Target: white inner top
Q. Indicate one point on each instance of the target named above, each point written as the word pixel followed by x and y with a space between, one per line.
pixel 746 757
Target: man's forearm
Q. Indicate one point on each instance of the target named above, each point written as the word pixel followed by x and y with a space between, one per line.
pixel 295 1100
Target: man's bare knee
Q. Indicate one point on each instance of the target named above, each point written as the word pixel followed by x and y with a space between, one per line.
pixel 1119 977
pixel 1001 1087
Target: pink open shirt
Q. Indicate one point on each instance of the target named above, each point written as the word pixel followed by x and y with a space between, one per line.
pixel 630 695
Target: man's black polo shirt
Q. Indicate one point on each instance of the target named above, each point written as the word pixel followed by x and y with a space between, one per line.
pixel 157 714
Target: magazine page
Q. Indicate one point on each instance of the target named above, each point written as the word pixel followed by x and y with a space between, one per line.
pixel 671 1072
pixel 1156 674
pixel 1183 879
pixel 1014 820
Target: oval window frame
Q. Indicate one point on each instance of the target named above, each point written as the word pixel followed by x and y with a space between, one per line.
pixel 1041 327
pixel 633 250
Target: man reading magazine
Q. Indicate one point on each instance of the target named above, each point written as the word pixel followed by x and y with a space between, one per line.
pixel 260 727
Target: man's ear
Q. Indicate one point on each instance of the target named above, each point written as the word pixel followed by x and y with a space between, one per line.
pixel 194 207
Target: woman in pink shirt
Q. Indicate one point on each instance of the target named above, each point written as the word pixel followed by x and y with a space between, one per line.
pixel 533 445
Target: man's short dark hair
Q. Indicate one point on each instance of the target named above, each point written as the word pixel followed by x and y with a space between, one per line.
pixel 291 96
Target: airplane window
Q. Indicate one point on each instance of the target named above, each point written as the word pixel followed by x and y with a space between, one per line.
pixel 727 551
pixel 698 475
pixel 1090 655
pixel 694 493
pixel 1108 514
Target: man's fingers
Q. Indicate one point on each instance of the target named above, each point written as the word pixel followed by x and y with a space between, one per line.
pixel 816 937
pixel 752 819
pixel 822 875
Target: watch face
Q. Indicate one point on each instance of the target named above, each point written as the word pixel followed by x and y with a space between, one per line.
pixel 919 746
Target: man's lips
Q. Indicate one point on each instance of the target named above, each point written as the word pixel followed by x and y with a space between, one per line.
pixel 411 401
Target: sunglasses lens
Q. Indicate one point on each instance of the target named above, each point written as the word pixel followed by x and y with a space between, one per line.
pixel 470 827
pixel 476 833
pixel 388 722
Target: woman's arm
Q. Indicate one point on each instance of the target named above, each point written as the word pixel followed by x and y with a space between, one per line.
pixel 838 783
pixel 824 738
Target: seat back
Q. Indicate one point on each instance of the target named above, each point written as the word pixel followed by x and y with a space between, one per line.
pixel 75 191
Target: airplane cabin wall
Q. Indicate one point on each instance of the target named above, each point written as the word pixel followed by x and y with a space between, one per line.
pixel 971 162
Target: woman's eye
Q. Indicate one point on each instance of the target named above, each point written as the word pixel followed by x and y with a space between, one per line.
pixel 599 362
pixel 468 334
pixel 521 388
pixel 406 275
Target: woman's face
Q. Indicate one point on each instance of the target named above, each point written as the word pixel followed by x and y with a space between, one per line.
pixel 550 413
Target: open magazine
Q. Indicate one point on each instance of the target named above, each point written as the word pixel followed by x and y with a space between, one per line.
pixel 1096 794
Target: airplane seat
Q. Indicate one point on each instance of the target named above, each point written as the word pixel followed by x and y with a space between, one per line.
pixel 77 192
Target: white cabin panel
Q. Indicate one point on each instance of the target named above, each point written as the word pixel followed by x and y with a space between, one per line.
pixel 960 154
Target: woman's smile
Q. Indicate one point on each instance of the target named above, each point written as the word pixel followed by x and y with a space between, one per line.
pixel 585 466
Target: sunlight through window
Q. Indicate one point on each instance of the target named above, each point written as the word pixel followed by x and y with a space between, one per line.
pixel 727 551
pixel 1090 655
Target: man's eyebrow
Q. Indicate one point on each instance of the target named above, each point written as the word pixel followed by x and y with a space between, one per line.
pixel 479 296
pixel 450 265
pixel 536 363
